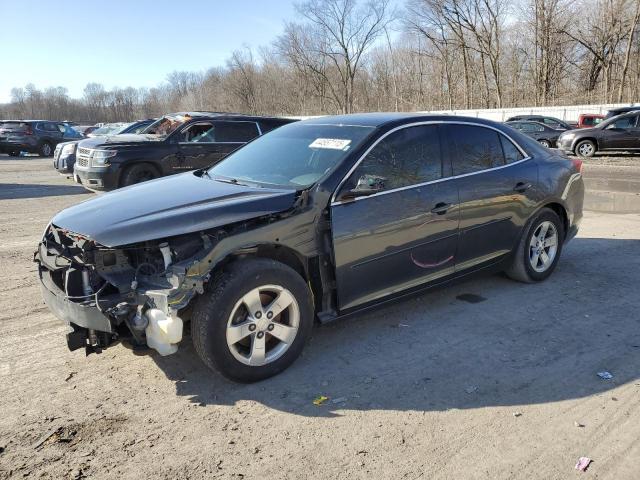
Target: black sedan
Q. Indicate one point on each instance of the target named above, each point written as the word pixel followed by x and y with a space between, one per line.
pixel 552 122
pixel 621 133
pixel 543 134
pixel 316 220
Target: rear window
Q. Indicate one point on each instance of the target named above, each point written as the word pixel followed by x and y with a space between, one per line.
pixel 14 126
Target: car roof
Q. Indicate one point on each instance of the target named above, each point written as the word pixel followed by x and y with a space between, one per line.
pixel 625 109
pixel 380 119
pixel 229 115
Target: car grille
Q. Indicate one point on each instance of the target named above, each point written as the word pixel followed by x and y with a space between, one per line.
pixel 82 157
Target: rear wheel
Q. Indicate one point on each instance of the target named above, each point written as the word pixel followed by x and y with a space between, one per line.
pixel 539 248
pixel 545 143
pixel 586 148
pixel 138 173
pixel 46 150
pixel 253 320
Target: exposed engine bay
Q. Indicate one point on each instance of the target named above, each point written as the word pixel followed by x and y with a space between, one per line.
pixel 132 292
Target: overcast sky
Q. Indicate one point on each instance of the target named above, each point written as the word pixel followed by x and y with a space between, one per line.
pixel 126 43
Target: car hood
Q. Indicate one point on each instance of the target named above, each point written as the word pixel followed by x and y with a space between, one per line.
pixel 169 206
pixel 122 140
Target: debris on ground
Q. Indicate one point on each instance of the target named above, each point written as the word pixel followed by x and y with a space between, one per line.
pixel 70 376
pixel 605 375
pixel 471 389
pixel 517 414
pixel 583 464
pixel 59 435
pixel 320 400
pixel 339 400
pixel 578 424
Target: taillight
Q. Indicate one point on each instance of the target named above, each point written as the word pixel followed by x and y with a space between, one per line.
pixel 578 164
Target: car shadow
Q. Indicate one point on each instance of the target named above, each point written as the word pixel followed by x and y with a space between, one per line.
pixel 480 343
pixel 12 191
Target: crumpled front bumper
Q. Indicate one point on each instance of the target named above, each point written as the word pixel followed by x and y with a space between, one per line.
pixel 85 315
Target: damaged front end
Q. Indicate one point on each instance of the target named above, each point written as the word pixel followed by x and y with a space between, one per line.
pixel 132 293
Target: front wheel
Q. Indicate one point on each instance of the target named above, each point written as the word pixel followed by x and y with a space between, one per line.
pixel 253 320
pixel 586 148
pixel 539 248
pixel 545 143
pixel 138 173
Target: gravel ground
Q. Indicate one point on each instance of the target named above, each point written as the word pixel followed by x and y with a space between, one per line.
pixel 433 387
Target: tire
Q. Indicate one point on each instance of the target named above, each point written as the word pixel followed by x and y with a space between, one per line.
pixel 14 153
pixel 45 150
pixel 223 308
pixel 585 148
pixel 545 143
pixel 522 265
pixel 140 172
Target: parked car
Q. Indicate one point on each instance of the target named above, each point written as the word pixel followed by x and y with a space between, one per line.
pixel 118 128
pixel 588 120
pixel 85 130
pixel 173 144
pixel 544 135
pixel 552 122
pixel 621 133
pixel 620 110
pixel 316 220
pixel 34 136
pixel 64 156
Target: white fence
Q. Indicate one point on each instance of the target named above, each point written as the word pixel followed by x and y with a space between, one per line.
pixel 568 113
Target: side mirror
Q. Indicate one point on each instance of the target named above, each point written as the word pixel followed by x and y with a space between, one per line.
pixel 367 185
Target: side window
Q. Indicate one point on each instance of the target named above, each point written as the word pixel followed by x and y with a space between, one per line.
pixel 552 123
pixel 478 148
pixel 511 152
pixel 407 157
pixel 139 128
pixel 235 132
pixel 199 133
pixel 624 123
pixel 62 127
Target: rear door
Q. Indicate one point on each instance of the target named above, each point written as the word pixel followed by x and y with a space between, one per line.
pixel 405 234
pixel 497 184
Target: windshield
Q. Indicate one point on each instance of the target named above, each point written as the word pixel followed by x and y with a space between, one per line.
pixel 110 129
pixel 168 124
pixel 295 155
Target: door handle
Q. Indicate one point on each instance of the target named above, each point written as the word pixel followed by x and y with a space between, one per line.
pixel 440 208
pixel 522 187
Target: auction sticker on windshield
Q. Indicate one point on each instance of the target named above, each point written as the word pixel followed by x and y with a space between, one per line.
pixel 330 143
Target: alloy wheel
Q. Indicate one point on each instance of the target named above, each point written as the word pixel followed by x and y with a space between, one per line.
pixel 585 149
pixel 46 150
pixel 263 325
pixel 543 246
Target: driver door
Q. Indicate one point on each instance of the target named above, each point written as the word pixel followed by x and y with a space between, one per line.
pixel 401 230
pixel 621 134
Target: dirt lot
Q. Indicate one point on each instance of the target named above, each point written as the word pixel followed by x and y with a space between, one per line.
pixel 434 387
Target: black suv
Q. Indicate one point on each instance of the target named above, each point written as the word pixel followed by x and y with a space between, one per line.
pixel 174 143
pixel 620 110
pixel 34 136
pixel 552 122
pixel 64 157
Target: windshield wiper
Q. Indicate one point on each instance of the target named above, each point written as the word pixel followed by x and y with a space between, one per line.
pixel 233 181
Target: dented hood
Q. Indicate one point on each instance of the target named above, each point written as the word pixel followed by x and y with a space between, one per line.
pixel 169 206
